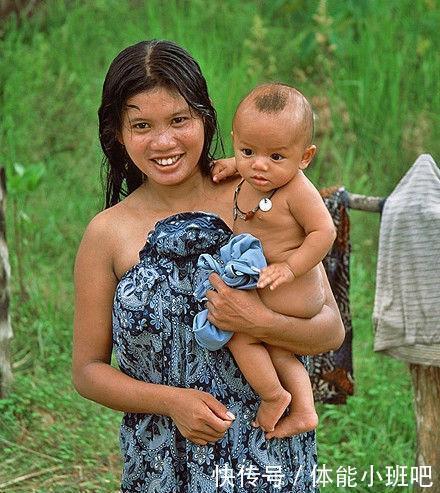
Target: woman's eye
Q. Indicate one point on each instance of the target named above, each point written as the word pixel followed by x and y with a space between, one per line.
pixel 247 152
pixel 276 157
pixel 141 125
pixel 179 119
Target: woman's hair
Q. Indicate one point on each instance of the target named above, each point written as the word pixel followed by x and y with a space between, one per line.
pixel 142 67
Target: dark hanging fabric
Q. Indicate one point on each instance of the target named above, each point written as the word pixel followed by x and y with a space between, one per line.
pixel 332 372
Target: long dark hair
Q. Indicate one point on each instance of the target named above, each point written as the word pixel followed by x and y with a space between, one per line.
pixel 138 68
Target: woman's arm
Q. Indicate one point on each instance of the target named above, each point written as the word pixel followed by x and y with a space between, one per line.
pixel 198 415
pixel 242 311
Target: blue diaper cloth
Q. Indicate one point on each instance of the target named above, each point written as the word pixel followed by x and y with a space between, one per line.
pixel 238 264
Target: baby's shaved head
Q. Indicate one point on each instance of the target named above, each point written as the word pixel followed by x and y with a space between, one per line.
pixel 275 98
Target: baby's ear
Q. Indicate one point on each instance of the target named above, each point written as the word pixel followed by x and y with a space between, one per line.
pixel 307 157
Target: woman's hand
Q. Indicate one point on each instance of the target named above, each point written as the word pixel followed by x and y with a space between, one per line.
pixel 234 309
pixel 223 168
pixel 242 311
pixel 200 417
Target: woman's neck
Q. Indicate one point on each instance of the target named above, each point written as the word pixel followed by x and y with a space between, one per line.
pixel 186 196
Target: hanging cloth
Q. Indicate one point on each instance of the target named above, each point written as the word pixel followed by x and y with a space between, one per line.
pixel 406 313
pixel 332 372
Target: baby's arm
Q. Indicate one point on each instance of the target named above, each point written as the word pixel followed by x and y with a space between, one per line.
pixel 308 209
pixel 223 168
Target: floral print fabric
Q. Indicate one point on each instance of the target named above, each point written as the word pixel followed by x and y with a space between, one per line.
pixel 153 314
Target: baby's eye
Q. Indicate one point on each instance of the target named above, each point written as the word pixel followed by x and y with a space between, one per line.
pixel 246 152
pixel 276 157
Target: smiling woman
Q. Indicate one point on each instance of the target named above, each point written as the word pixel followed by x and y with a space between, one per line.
pixel 162 136
pixel 187 411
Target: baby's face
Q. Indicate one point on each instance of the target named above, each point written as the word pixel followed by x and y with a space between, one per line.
pixel 268 150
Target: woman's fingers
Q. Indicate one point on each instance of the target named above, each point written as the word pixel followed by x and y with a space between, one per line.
pixel 217 284
pixel 234 310
pixel 197 416
pixel 221 413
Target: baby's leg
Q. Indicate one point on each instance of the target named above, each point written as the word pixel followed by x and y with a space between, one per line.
pixel 256 365
pixel 296 380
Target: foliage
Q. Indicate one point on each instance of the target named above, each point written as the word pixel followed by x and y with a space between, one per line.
pixel 370 69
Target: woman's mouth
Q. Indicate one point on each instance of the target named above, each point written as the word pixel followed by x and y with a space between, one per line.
pixel 167 161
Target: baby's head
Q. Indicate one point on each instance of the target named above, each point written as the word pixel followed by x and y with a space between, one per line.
pixel 272 133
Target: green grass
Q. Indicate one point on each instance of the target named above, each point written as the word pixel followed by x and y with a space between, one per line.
pixel 371 71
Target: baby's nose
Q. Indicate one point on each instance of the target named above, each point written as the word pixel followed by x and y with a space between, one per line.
pixel 260 163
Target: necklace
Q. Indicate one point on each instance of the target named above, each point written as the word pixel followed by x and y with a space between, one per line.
pixel 264 205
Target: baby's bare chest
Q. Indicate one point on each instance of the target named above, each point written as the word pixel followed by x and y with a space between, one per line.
pixel 277 229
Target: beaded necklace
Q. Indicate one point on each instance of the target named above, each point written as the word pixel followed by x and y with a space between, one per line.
pixel 264 205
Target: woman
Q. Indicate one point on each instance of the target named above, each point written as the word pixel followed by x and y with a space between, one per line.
pixel 188 412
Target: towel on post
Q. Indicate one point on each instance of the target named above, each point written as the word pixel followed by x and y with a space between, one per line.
pixel 406 313
pixel 238 264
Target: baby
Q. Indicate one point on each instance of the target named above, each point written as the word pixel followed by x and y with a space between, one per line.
pixel 272 137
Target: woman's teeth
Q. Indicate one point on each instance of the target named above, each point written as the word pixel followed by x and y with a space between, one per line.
pixel 167 161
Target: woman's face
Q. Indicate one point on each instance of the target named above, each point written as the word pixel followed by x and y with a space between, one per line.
pixel 162 136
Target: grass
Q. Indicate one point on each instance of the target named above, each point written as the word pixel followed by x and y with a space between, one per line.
pixel 370 69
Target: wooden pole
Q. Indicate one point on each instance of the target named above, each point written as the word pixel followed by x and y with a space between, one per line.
pixel 426 382
pixel 365 203
pixel 5 270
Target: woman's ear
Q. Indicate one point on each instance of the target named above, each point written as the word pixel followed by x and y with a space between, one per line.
pixel 307 156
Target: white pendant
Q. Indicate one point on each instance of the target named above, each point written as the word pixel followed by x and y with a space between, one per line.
pixel 265 205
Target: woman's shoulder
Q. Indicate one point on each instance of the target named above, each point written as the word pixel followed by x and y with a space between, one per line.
pixel 107 223
pixel 228 184
pixel 103 225
pixel 98 239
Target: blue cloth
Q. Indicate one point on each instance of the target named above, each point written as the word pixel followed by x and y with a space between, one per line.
pixel 153 341
pixel 238 264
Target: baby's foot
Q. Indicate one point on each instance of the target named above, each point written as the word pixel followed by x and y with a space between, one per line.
pixel 294 423
pixel 271 410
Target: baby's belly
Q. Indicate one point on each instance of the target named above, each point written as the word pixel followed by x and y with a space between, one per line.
pixel 303 297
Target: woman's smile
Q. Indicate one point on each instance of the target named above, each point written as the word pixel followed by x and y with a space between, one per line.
pixel 167 161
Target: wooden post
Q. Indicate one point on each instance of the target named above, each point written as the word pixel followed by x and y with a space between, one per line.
pixel 426 384
pixel 5 270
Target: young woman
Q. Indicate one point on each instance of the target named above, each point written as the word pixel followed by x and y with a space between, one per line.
pixel 188 411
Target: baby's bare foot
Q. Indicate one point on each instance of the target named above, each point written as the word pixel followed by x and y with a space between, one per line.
pixel 271 410
pixel 294 424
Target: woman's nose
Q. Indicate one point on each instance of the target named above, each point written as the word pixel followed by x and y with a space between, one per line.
pixel 162 139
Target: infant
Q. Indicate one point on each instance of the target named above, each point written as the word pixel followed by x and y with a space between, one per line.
pixel 275 202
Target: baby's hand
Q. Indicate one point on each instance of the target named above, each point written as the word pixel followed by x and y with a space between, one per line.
pixel 222 168
pixel 275 275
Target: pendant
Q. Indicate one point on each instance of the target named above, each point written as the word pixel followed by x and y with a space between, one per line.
pixel 265 204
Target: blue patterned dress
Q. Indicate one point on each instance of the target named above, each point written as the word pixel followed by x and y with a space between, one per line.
pixel 153 314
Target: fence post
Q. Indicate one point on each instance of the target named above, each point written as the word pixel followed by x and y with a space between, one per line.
pixel 426 383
